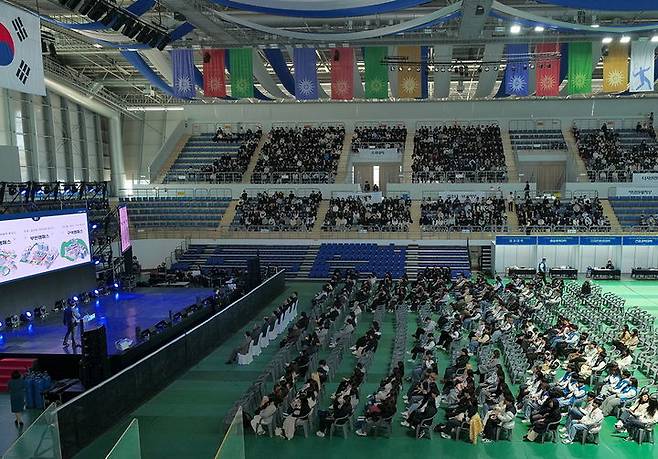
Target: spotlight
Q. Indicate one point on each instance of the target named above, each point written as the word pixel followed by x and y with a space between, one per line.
pixel 94 226
pixel 625 39
pixel 539 28
pixel 97 261
pixel 12 190
pixel 145 335
pixel 26 316
pixel 2 324
pixel 40 312
pixel 595 26
pixel 515 29
pixel 606 40
pixel 116 285
pixel 654 39
pixel 12 321
pixel 486 68
pixel 96 292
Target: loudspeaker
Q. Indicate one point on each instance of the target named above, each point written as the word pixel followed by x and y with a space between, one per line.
pixel 253 272
pixel 94 365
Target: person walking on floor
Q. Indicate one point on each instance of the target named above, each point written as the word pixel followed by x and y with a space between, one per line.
pixel 16 387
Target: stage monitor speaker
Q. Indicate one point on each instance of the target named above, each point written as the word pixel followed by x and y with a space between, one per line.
pixel 253 272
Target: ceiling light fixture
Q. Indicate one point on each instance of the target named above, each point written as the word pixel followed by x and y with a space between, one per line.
pixel 625 39
pixel 606 40
pixel 539 28
pixel 515 29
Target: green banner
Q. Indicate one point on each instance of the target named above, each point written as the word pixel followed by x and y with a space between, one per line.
pixel 580 68
pixel 376 72
pixel 242 73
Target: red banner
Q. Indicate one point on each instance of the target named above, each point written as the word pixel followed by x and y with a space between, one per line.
pixel 342 73
pixel 214 77
pixel 547 69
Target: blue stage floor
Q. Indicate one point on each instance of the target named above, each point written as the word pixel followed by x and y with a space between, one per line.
pixel 120 313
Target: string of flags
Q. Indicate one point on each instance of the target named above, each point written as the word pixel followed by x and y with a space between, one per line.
pixel 626 67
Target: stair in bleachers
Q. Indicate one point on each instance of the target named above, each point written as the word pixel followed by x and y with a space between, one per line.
pixel 609 212
pixel 629 209
pixel 408 159
pixel 307 263
pixel 572 147
pixel 289 257
pixel 254 159
pixel 341 169
pixel 485 259
pixel 511 161
pixel 424 256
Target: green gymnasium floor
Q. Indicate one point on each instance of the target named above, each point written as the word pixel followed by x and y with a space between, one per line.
pixel 184 420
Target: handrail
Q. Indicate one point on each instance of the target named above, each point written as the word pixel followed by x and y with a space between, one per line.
pixel 460 176
pixel 293 177
pixel 194 176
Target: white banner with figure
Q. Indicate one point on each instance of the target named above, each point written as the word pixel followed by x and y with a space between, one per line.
pixel 21 63
pixel 642 64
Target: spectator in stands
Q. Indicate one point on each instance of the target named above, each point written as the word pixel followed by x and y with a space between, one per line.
pixel 357 212
pixel 277 211
pixel 458 153
pixel 228 167
pixel 300 155
pixel 608 158
pixel 379 137
pixel 581 213
pixel 472 214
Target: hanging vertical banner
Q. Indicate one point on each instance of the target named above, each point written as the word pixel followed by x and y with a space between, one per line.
pixel 214 78
pixel 409 81
pixel 21 62
pixel 615 68
pixel 183 68
pixel 342 73
pixel 547 69
pixel 306 73
pixel 642 66
pixel 424 72
pixel 580 68
pixel 376 72
pixel 516 74
pixel 242 73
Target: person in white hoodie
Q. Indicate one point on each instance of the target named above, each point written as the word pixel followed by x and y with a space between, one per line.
pixel 591 423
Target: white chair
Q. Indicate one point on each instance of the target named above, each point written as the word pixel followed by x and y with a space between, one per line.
pixel 255 348
pixel 264 341
pixel 246 359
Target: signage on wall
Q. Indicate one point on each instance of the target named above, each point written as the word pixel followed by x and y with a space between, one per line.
pixel 600 240
pixel 630 191
pixel 558 240
pixel 646 178
pixel 516 240
pixel 641 240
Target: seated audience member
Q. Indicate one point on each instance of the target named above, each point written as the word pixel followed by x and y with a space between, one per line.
pixel 277 211
pixel 355 213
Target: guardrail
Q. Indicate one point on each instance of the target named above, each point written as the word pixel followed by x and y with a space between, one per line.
pixel 612 176
pixel 167 191
pixel 293 177
pixel 204 177
pixel 460 176
pixel 617 124
pixel 462 123
pixel 535 125
pixel 88 415
pixel 207 128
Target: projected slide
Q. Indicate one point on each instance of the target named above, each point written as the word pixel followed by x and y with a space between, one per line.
pixel 39 243
pixel 124 228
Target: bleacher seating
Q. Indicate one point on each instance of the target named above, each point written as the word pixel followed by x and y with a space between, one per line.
pixel 465 214
pixel 545 139
pixel 629 211
pixel 289 257
pixel 175 212
pixel 204 160
pixel 277 211
pixel 320 261
pixel 384 136
pixel 356 213
pixel 549 213
pixel 364 258
pixel 613 155
pixel 305 154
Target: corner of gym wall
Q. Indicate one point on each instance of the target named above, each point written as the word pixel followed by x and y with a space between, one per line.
pixel 143 138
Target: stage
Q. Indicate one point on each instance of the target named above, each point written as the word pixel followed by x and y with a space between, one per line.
pixel 120 313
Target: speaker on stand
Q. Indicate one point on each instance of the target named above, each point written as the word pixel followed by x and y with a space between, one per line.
pixel 253 272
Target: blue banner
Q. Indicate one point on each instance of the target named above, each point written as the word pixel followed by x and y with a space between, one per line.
pixel 516 240
pixel 184 78
pixel 640 240
pixel 517 70
pixel 306 74
pixel 558 240
pixel 600 240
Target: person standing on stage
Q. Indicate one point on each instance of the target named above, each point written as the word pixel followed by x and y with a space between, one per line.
pixel 542 269
pixel 71 319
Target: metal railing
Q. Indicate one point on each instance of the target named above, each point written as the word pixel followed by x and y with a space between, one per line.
pixel 165 191
pixel 236 128
pixel 464 229
pixel 203 177
pixel 535 125
pixel 270 228
pixel 617 124
pixel 363 146
pixel 293 177
pixel 462 123
pixel 299 192
pixel 612 176
pixel 303 124
pixel 460 176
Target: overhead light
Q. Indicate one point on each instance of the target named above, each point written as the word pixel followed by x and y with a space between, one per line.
pixel 156 109
pixel 654 39
pixel 606 40
pixel 515 29
pixel 96 45
pixel 539 28
pixel 625 39
pixel 595 26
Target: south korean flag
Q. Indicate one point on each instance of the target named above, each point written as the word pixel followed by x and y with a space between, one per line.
pixel 21 63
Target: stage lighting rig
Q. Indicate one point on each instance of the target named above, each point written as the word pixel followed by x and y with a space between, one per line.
pixel 40 312
pixel 26 316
